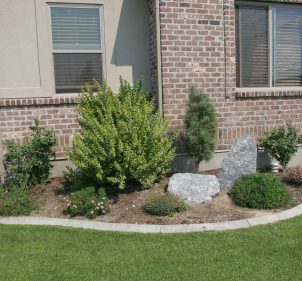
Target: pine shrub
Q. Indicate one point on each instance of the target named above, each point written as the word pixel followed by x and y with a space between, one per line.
pixel 260 191
pixel 201 127
pixel 123 138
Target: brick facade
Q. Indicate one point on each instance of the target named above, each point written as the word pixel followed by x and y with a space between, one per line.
pixel 17 115
pixel 198 48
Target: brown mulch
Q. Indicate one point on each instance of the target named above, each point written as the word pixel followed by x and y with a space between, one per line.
pixel 128 206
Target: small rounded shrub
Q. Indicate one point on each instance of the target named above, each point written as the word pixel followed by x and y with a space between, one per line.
pixel 165 205
pixel 87 203
pixel 293 175
pixel 260 191
pixel 15 201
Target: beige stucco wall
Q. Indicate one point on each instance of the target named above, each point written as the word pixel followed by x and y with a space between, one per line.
pixel 26 66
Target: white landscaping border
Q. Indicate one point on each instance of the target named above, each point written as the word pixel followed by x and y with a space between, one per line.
pixel 150 228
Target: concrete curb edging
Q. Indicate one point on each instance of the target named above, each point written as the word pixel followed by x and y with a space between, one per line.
pixel 149 228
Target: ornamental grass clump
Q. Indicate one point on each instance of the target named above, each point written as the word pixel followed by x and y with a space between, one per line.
pixel 260 191
pixel 165 205
pixel 123 137
pixel 15 201
pixel 293 175
pixel 87 202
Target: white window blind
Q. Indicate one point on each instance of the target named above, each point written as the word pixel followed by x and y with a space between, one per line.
pixel 77 47
pixel 287 47
pixel 252 43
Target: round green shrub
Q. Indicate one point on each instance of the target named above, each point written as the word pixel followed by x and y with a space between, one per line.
pixel 87 203
pixel 165 205
pixel 15 201
pixel 260 191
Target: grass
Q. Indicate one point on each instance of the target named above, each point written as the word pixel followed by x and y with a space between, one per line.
pixel 272 252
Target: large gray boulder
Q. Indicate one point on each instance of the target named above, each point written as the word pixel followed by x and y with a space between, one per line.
pixel 194 188
pixel 241 160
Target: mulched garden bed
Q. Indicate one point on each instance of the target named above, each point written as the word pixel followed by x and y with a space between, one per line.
pixel 128 206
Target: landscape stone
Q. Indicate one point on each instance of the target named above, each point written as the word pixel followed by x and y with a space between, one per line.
pixel 194 188
pixel 241 161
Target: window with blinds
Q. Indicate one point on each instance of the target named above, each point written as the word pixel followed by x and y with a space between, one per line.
pixel 268 45
pixel 77 47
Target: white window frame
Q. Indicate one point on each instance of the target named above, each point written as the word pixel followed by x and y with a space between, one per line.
pixel 102 38
pixel 270 7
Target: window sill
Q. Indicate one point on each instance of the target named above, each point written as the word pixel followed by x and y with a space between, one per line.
pixel 21 102
pixel 242 93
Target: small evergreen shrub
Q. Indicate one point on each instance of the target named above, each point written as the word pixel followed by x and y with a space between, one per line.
pixel 165 205
pixel 123 138
pixel 293 175
pixel 260 191
pixel 29 163
pixel 201 127
pixel 87 202
pixel 281 143
pixel 15 201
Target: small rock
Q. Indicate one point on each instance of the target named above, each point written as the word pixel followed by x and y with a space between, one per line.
pixel 194 188
pixel 241 161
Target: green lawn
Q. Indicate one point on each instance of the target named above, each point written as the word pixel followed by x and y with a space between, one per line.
pixel 267 253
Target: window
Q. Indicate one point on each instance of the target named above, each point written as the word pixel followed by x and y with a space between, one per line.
pixel 77 47
pixel 269 45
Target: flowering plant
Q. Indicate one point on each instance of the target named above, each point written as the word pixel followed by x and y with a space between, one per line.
pixel 87 202
pixel 293 175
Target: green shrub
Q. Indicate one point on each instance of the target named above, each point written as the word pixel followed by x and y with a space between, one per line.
pixel 28 164
pixel 281 143
pixel 87 202
pixel 165 205
pixel 122 138
pixel 15 201
pixel 201 127
pixel 293 175
pixel 260 191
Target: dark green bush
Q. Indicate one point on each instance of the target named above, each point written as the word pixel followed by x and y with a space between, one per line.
pixel 201 126
pixel 282 143
pixel 293 175
pixel 87 202
pixel 123 138
pixel 165 205
pixel 260 191
pixel 15 201
pixel 29 163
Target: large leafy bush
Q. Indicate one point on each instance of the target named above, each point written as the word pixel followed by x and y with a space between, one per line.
pixel 28 163
pixel 123 138
pixel 281 143
pixel 201 126
pixel 260 191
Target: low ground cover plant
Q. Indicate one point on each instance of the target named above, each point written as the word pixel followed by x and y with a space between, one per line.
pixel 123 137
pixel 165 205
pixel 87 202
pixel 15 201
pixel 282 143
pixel 28 163
pixel 201 127
pixel 293 175
pixel 260 191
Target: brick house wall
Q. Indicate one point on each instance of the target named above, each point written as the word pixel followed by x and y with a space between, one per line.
pixel 198 48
